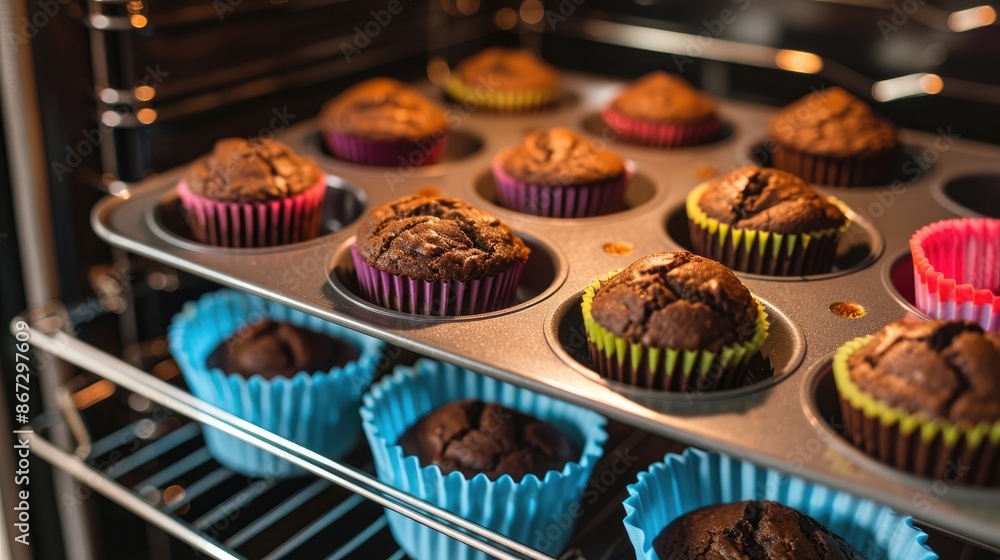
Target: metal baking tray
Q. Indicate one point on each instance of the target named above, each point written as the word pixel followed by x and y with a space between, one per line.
pixel 787 422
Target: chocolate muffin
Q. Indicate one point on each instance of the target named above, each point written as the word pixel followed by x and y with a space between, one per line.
pixel 834 138
pixel 504 79
pixel 925 397
pixel 750 530
pixel 251 170
pixel 559 156
pixel 763 200
pixel 677 300
pixel 473 437
pixel 674 322
pixel 437 256
pixel 383 109
pixel 252 193
pixel 937 369
pixel 277 349
pixel 384 122
pixel 661 109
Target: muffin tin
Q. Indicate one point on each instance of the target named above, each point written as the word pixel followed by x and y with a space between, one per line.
pixel 786 422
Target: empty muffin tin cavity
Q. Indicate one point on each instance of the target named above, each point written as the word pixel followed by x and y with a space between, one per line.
pixel 860 245
pixel 979 193
pixel 897 276
pixel 781 353
pixel 461 144
pixel 344 203
pixel 543 274
pixel 594 124
pixel 640 190
pixel 911 162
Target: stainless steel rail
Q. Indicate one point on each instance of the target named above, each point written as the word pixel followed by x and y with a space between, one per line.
pixel 72 350
pixel 95 479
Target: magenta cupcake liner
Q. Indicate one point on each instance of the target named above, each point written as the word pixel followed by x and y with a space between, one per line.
pixel 254 224
pixel 558 201
pixel 386 153
pixel 956 270
pixel 661 134
pixel 439 298
pixel 836 171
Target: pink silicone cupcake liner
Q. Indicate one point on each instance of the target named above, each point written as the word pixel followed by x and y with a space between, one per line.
pixel 573 201
pixel 256 224
pixel 662 135
pixel 386 153
pixel 838 172
pixel 956 270
pixel 438 298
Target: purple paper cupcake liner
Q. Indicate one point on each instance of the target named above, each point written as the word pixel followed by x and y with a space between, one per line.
pixel 439 298
pixel 256 224
pixel 571 201
pixel 387 153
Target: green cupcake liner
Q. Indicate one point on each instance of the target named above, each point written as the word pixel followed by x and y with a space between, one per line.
pixel 960 453
pixel 763 252
pixel 668 369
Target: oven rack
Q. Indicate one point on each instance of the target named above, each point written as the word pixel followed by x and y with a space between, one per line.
pixel 172 482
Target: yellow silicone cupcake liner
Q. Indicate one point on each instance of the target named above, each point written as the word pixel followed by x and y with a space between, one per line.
pixel 912 442
pixel 782 253
pixel 668 368
pixel 500 100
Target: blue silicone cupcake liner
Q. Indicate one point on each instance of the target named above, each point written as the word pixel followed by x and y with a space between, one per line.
pixel 538 513
pixel 683 483
pixel 317 410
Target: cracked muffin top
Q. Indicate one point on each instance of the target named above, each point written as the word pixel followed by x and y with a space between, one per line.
pixel 766 199
pixel 383 109
pixel 279 349
pixel 251 170
pixel 662 97
pixel 559 156
pixel 940 369
pixel 835 123
pixel 431 238
pixel 474 437
pixel 677 300
pixel 751 530
pixel 507 69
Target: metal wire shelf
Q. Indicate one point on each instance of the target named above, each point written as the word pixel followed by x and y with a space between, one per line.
pixel 158 467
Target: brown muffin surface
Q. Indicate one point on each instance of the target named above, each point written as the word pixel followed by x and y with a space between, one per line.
pixel 662 97
pixel 761 198
pixel 278 349
pixel 940 369
pixel 677 300
pixel 559 156
pixel 834 123
pixel 431 238
pixel 475 437
pixel 383 109
pixel 750 530
pixel 505 69
pixel 254 170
